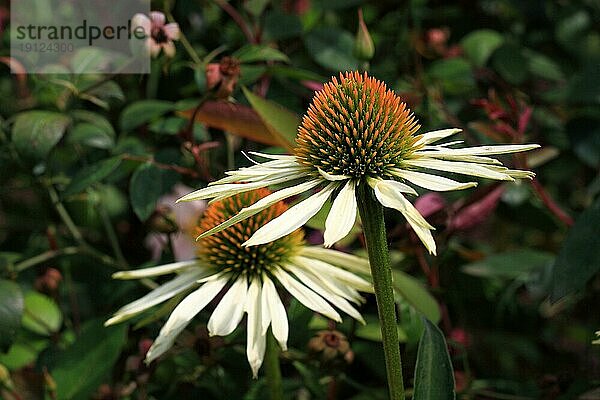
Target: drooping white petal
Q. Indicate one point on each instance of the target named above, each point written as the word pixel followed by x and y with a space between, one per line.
pixel 182 315
pixel 279 321
pixel 464 168
pixel 388 196
pixel 292 219
pixel 306 296
pixel 331 177
pixel 262 204
pixel 230 189
pixel 325 292
pixel 265 312
pixel 332 283
pixel 155 271
pixel 255 340
pixel 434 136
pixel 338 258
pixel 431 182
pixel 230 310
pixel 342 215
pixel 399 186
pixel 320 268
pixel 162 293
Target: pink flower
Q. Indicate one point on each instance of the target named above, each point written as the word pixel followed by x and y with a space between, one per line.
pixel 159 35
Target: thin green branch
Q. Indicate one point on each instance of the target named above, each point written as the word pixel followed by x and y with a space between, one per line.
pixel 273 368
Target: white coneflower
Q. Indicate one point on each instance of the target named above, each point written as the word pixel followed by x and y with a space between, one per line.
pixel 318 278
pixel 357 131
pixel 159 35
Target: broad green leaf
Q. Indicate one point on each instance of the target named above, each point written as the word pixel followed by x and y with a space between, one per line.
pixel 11 311
pixel 41 314
pixel 509 265
pixel 91 135
pixel 453 74
pixel 510 63
pixel 479 45
pixel 253 53
pixel 332 48
pixel 415 294
pixel 256 7
pixel 282 123
pixel 579 258
pixel 147 184
pixel 24 351
pixel 144 111
pixel 91 174
pixel 434 376
pixel 84 365
pixel 35 133
pixel 542 66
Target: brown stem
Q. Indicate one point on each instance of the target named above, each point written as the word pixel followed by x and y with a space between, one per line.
pixel 229 9
pixel 550 203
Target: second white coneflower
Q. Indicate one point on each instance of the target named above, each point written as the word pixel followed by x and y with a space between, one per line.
pixel 318 278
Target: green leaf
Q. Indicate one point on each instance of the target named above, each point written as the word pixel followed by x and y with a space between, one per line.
pixel 147 184
pixel 434 377
pixel 256 7
pixel 332 48
pixel 479 45
pixel 509 265
pixel 41 314
pixel 579 258
pixel 144 111
pixel 11 311
pixel 35 133
pixel 415 294
pixel 542 66
pixel 83 366
pixel 281 123
pixel 372 330
pixel 510 63
pixel 91 135
pixel 254 53
pixel 91 174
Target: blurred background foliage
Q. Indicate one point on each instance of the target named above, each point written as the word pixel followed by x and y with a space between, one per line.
pixel 85 160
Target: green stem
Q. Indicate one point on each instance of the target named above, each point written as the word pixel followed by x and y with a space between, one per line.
pixel 64 215
pixel 272 368
pixel 112 236
pixel 371 214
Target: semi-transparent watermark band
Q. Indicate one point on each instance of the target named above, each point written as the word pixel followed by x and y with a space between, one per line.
pixel 79 36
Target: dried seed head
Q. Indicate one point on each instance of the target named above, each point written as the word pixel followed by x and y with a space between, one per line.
pixel 355 126
pixel 224 250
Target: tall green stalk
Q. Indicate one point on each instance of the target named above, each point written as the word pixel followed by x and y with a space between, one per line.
pixel 371 214
pixel 273 369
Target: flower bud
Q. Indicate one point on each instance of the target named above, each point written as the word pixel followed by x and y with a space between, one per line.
pixel 364 49
pixel 331 347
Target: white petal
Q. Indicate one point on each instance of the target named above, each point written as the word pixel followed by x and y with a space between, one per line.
pixel 333 284
pixel 265 312
pixel 434 136
pixel 162 293
pixel 489 150
pixel 306 296
pixel 229 312
pixel 292 219
pixel 319 267
pixel 260 205
pixel 399 186
pixel 431 182
pixel 464 168
pixel 155 271
pixel 326 293
pixel 274 156
pixel 388 196
pixel 331 177
pixel 342 215
pixel 182 315
pixel 255 341
pixel 279 321
pixel 347 261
